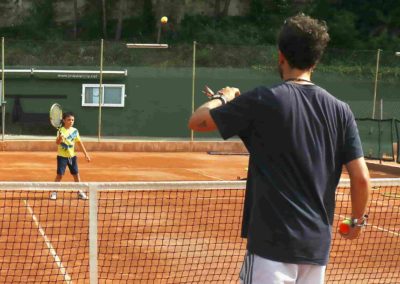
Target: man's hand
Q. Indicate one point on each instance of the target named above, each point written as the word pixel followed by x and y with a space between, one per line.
pixel 354 233
pixel 87 157
pixel 229 93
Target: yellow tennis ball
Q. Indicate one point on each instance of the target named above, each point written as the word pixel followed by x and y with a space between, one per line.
pixel 164 20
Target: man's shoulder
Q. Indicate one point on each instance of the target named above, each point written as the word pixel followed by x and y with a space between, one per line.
pixel 259 93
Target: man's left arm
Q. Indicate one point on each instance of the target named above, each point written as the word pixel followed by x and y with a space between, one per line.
pixel 201 120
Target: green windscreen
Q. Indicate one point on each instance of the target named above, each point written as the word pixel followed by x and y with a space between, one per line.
pixel 376 138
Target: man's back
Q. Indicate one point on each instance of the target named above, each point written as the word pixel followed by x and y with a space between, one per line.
pixel 298 137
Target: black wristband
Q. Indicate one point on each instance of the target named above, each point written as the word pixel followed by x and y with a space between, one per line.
pixel 219 97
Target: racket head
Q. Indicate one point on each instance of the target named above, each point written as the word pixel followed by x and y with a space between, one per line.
pixel 56 115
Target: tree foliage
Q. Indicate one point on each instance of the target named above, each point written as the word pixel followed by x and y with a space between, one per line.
pixel 355 24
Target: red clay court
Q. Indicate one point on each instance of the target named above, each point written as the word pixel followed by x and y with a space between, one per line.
pixel 160 234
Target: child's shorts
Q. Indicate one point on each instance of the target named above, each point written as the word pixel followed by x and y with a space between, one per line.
pixel 63 162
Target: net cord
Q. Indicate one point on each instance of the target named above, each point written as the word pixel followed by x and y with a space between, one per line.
pixel 162 185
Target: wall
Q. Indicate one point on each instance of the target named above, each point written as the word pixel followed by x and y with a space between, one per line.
pixel 159 100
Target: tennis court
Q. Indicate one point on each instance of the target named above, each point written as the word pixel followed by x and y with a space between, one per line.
pixel 153 227
pixel 141 166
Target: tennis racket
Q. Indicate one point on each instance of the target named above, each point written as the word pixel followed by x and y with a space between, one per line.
pixel 56 116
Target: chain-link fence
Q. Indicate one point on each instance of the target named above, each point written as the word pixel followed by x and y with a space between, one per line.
pixel 377 138
pixel 145 86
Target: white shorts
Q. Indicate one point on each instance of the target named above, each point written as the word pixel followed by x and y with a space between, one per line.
pixel 259 270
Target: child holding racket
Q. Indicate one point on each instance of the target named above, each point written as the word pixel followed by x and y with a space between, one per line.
pixel 66 156
pixel 299 137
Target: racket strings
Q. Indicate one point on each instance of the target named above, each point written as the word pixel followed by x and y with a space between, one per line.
pixel 56 117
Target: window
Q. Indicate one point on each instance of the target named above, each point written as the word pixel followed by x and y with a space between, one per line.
pixel 113 95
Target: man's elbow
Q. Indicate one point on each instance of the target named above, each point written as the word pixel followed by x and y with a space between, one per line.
pixel 363 181
pixel 201 123
pixel 198 126
pixel 191 124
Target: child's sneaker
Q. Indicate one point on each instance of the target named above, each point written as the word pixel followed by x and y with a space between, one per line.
pixel 82 195
pixel 53 195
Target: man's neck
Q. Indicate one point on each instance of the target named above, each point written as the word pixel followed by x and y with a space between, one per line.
pixel 301 76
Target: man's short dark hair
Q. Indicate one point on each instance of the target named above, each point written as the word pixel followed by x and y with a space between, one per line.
pixel 68 114
pixel 302 40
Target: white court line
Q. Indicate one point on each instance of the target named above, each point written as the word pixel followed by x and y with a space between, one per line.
pixel 200 173
pixel 53 252
pixel 373 226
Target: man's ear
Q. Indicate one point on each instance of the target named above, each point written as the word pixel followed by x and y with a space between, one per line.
pixel 281 57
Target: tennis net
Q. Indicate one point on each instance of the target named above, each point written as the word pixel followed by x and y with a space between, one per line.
pixel 167 232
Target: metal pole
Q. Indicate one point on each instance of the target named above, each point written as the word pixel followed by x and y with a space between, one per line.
pixel 376 82
pixel 3 102
pixel 381 108
pixel 379 142
pixel 100 89
pixel 93 242
pixel 193 84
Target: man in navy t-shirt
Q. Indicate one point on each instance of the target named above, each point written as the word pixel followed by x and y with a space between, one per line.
pixel 299 136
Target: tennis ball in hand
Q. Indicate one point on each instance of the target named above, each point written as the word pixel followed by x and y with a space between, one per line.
pixel 344 227
pixel 164 20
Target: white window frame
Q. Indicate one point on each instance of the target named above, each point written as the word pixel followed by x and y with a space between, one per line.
pixel 122 86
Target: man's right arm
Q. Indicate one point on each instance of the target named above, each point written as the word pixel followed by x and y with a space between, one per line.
pixel 359 187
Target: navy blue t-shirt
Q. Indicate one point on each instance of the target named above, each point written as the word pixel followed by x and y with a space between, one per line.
pixel 298 137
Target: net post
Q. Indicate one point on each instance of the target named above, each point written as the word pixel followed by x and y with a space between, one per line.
pixel 93 209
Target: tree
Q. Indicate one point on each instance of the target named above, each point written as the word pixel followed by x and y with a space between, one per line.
pixel 217 8
pixel 75 19
pixel 226 7
pixel 118 31
pixel 39 24
pixel 104 19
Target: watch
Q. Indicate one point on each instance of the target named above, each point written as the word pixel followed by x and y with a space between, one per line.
pixel 359 222
pixel 220 97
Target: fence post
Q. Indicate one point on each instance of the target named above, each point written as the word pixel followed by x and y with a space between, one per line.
pixel 379 141
pixel 376 82
pixel 2 99
pixel 100 89
pixel 193 84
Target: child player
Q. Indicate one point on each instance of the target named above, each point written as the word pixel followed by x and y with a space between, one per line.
pixel 66 156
